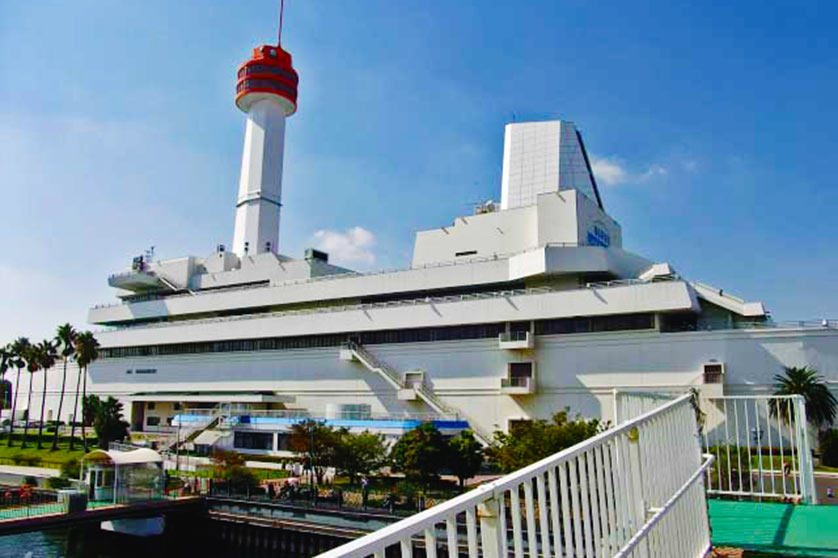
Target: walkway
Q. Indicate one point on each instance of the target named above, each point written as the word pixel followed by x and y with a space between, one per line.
pixel 773 527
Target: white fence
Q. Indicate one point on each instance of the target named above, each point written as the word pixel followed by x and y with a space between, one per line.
pixel 632 404
pixel 761 445
pixel 636 490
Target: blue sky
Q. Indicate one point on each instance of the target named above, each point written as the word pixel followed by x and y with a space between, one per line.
pixel 713 125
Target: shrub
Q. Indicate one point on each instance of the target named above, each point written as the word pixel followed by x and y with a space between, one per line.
pixel 25 459
pixel 241 477
pixel 71 468
pixel 829 447
pixel 408 490
pixel 29 480
pixel 57 483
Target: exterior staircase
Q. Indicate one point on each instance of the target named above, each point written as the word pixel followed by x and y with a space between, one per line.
pixel 356 351
pixel 184 435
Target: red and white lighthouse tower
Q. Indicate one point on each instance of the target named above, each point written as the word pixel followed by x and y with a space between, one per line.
pixel 267 92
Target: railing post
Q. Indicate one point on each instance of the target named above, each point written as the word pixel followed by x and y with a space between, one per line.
pixel 490 531
pixel 804 453
pixel 638 501
pixel 614 395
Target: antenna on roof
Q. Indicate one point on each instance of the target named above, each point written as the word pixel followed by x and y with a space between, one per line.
pixel 279 34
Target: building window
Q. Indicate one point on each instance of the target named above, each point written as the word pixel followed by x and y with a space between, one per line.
pixel 150 405
pixel 152 421
pixel 253 440
pixel 714 373
pixel 177 407
pixel 355 412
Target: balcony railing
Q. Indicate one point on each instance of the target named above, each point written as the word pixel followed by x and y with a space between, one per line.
pixel 514 336
pixel 516 382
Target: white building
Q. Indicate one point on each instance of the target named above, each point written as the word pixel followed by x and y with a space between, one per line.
pixel 509 314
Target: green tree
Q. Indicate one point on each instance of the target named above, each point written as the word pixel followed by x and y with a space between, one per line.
pixel 359 454
pixel 465 456
pixel 108 422
pixel 66 339
pixel 528 442
pixel 87 351
pixel 18 349
pixel 316 444
pixel 821 405
pixel 229 465
pixel 46 356
pixel 91 406
pixel 828 442
pixel 420 453
pixel 32 366
pixel 5 364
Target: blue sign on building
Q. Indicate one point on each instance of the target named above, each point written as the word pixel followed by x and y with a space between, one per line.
pixel 598 236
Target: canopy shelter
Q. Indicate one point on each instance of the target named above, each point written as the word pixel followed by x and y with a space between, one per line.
pixel 123 477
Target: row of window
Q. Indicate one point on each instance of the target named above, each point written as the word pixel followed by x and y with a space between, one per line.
pixel 264 69
pixel 266 84
pixel 619 322
pixel 253 440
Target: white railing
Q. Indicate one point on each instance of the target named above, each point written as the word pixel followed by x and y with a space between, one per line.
pixel 632 404
pixel 634 490
pixel 761 445
pixel 422 390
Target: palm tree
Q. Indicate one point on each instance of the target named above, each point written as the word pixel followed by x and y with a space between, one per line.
pixel 5 358
pixel 47 356
pixel 32 366
pixel 66 338
pixel 821 406
pixel 19 349
pixel 86 352
pixel 5 363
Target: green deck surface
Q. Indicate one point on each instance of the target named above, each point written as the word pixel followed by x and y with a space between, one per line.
pixel 784 529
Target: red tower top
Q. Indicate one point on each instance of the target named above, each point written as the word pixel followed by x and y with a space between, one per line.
pixel 268 74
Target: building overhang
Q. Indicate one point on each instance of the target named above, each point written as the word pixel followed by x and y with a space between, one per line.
pixel 211 397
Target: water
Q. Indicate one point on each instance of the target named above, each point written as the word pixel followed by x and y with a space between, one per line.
pixel 91 542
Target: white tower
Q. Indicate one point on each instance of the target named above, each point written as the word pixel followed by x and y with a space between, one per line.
pixel 540 157
pixel 267 93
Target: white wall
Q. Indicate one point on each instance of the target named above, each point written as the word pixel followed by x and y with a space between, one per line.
pixel 573 370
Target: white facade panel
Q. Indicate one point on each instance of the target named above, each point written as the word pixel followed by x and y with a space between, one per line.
pixel 650 297
pixel 579 371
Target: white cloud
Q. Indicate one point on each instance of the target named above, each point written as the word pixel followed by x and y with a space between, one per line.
pixel 353 246
pixel 612 171
pixel 609 170
pixel 653 171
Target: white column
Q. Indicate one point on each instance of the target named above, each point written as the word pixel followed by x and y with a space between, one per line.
pixel 260 184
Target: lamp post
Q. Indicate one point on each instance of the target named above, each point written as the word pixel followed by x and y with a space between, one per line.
pixel 311 460
pixel 177 446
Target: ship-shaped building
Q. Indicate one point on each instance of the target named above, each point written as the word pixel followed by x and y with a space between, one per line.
pixel 521 309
